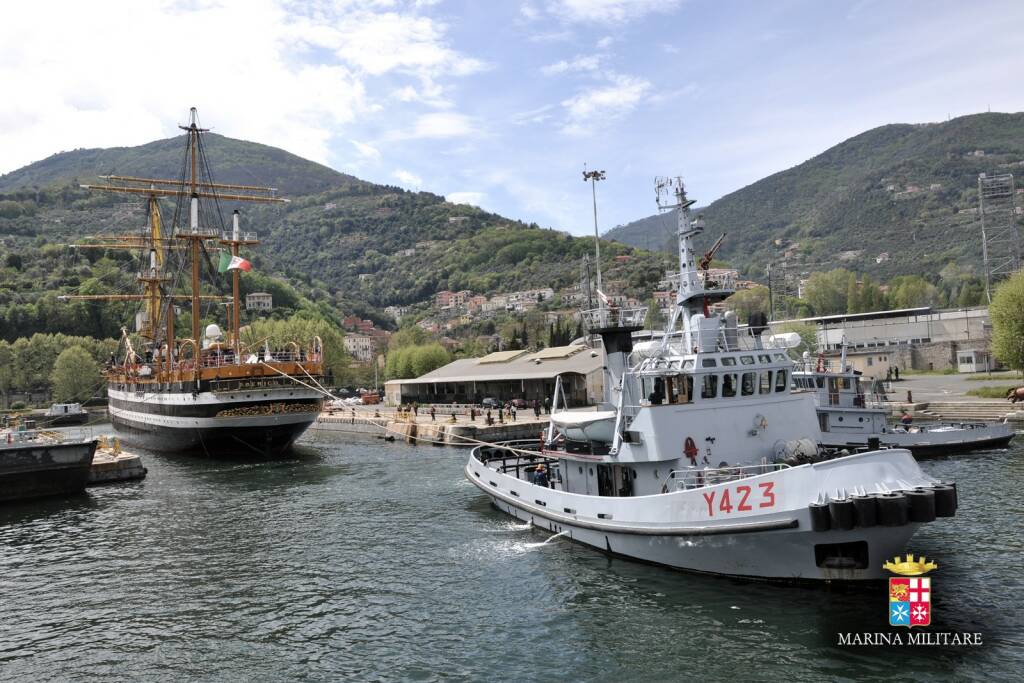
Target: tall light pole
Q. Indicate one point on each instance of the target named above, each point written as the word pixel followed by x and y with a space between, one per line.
pixel 593 177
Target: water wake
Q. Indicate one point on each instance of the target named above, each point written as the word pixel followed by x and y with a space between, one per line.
pixel 547 540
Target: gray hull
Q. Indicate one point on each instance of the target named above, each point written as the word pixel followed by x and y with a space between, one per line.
pixel 38 470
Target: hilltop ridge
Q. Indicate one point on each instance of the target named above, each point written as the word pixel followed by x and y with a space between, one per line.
pixel 903 190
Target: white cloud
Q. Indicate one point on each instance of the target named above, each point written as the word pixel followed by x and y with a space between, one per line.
pixel 578 63
pixel 608 11
pixel 605 43
pixel 442 125
pixel 381 42
pixel 529 12
pixel 592 108
pixel 299 78
pixel 552 37
pixel 472 198
pixel 366 151
pixel 538 115
pixel 407 178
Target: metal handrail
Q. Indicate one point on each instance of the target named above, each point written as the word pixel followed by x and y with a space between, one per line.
pixel 699 477
pixel 613 316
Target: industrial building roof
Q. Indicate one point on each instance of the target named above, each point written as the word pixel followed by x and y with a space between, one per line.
pixel 543 364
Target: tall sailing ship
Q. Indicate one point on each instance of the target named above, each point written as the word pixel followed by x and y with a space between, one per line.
pixel 208 393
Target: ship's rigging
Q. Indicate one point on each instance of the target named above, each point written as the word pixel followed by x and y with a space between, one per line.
pixel 177 254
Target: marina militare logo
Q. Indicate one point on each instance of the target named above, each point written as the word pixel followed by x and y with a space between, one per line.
pixel 910 594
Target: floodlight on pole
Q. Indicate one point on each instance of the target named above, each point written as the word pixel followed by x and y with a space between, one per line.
pixel 593 177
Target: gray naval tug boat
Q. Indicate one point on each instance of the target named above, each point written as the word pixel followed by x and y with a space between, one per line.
pixel 703 459
pixel 849 416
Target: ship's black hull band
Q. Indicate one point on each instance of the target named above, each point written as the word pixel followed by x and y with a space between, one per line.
pixel 207 409
pixel 267 440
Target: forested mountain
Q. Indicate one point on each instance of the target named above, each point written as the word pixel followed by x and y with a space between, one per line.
pixel 341 244
pixel 905 190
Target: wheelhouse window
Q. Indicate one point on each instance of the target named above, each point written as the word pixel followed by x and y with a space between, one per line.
pixel 708 363
pixel 680 388
pixel 709 386
pixel 728 360
pixel 780 380
pixel 747 386
pixel 747 360
pixel 766 381
pixel 728 385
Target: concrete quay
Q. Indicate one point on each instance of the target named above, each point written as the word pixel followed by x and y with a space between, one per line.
pixel 112 464
pixel 442 431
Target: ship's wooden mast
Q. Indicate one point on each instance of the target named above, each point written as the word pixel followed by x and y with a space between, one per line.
pixel 193 237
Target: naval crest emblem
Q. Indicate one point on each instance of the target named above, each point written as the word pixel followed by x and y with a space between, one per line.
pixel 910 594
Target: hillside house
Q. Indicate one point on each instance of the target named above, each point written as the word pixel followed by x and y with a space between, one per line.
pixel 259 301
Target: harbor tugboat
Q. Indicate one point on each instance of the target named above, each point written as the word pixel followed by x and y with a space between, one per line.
pixel 702 458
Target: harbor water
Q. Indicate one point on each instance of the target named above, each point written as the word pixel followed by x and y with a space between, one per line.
pixel 372 561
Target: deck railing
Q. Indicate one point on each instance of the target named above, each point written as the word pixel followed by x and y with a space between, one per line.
pixel 698 477
pixel 613 316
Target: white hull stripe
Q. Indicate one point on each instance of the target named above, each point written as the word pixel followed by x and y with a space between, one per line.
pixel 210 398
pixel 212 422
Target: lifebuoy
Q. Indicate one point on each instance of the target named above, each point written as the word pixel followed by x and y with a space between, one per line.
pixel 690 450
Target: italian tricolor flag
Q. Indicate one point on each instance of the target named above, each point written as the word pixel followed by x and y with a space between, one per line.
pixel 229 262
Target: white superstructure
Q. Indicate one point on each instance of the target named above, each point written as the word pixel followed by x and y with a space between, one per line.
pixel 703 458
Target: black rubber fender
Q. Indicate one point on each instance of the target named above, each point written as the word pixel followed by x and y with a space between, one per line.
pixel 820 518
pixel 865 511
pixel 945 500
pixel 892 509
pixel 921 505
pixel 841 514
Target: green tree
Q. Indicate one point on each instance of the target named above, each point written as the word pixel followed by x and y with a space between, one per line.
pixel 828 292
pixel 301 329
pixel 912 291
pixel 75 376
pixel 747 301
pixel 1007 313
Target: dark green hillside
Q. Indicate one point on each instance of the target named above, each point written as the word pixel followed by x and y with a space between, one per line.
pixel 341 244
pixel 234 161
pixel 845 200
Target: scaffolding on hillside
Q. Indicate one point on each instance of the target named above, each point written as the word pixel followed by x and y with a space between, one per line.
pixel 1000 237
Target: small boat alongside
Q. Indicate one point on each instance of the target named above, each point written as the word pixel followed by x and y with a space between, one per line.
pixel 850 417
pixel 35 464
pixel 64 414
pixel 702 457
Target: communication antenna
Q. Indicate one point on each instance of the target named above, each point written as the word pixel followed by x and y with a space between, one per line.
pixel 670 193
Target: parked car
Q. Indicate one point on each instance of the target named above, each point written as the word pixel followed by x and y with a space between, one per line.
pixel 490 403
pixel 520 403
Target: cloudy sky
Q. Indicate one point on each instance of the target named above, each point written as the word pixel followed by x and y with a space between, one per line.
pixel 500 103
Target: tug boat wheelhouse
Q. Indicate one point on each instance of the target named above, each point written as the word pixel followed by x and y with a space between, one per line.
pixel 702 458
pixel 205 394
pixel 850 417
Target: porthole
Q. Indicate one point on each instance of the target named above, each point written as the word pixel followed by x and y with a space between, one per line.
pixel 860 419
pixel 581 469
pixel 840 419
pixel 656 474
pixel 634 474
pixel 590 470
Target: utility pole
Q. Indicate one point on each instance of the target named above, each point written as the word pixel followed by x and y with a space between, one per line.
pixel 593 177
